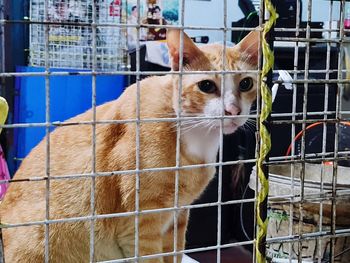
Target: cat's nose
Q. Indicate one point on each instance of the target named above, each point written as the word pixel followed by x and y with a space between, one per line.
pixel 232 110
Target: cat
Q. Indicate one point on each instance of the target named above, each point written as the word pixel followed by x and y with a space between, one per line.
pixel 71 153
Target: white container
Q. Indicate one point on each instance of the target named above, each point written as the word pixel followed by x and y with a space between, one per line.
pixel 282 188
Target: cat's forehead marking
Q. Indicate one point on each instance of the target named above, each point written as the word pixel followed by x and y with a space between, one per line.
pixel 234 58
pixel 228 83
pixel 214 53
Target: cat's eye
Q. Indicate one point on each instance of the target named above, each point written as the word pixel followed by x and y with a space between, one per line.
pixel 246 84
pixel 207 86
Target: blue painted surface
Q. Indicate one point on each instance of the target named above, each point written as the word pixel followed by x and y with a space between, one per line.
pixel 69 96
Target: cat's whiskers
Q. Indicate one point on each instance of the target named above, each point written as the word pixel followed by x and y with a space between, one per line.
pixel 251 121
pixel 249 126
pixel 189 121
pixel 184 123
pixel 194 124
pixel 182 114
pixel 210 126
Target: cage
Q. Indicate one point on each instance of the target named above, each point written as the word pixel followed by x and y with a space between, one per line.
pixel 70 41
pixel 280 190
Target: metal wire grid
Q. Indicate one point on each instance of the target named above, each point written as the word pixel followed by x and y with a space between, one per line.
pixel 294 158
pixel 299 236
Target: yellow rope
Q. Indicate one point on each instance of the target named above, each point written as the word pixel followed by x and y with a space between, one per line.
pixel 265 146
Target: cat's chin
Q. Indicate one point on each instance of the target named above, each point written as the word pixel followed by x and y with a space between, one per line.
pixel 229 129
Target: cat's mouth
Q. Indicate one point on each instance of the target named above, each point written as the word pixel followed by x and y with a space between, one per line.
pixel 228 127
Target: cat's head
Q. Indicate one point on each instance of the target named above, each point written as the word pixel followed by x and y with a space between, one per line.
pixel 201 93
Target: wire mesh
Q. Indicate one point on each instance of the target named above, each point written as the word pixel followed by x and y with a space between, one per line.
pixel 309 188
pixel 70 45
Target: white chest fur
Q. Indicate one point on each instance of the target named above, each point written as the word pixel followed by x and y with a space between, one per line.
pixel 202 145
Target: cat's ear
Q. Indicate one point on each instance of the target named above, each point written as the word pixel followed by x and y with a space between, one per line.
pixel 191 52
pixel 249 47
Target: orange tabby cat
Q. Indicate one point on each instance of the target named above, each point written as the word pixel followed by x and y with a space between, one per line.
pixel 71 153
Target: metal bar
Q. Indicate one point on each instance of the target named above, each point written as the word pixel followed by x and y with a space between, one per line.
pixel 137 154
pixel 118 72
pixel 310 158
pixel 148 120
pixel 145 73
pixel 118 25
pixel 310 121
pixel 178 129
pixel 93 126
pixel 143 25
pixel 311 40
pixel 310 236
pixel 189 72
pixel 324 134
pixel 222 92
pixel 336 139
pixel 310 197
pixel 276 199
pixel 294 102
pixel 122 214
pixel 62 72
pixel 47 139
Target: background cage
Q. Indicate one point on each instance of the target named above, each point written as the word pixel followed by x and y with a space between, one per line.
pixel 70 44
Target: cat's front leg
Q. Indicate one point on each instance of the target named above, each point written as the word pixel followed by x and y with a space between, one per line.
pixel 168 237
pixel 150 238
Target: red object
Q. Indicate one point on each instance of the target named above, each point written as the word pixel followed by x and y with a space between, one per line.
pixel 328 163
pixel 307 128
pixel 114 8
pixel 347 23
pixel 4 174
